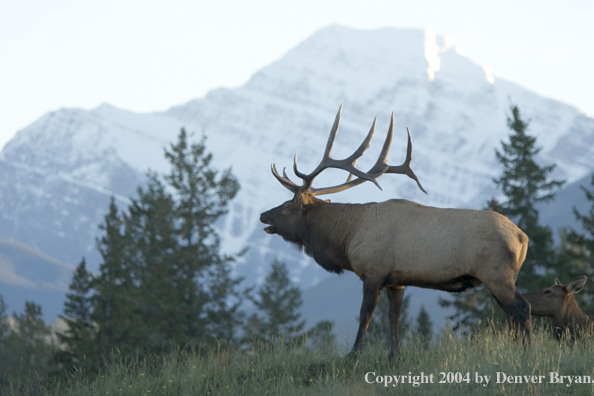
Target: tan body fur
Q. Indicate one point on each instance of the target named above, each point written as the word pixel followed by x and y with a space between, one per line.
pixel 408 244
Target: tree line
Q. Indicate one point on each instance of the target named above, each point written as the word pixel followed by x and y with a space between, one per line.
pixel 163 281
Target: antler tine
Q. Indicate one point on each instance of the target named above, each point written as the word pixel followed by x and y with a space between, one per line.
pixel 405 168
pixel 381 164
pixel 309 178
pixel 376 170
pixel 333 133
pixel 347 164
pixel 379 168
pixel 350 162
pixel 285 181
pixel 285 174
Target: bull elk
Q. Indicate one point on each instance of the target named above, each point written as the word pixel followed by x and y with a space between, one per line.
pixel 558 303
pixel 400 243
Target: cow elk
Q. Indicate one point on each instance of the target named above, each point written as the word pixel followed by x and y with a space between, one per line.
pixel 400 243
pixel 558 303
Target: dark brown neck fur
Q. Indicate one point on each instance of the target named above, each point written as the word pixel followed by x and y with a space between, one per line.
pixel 328 232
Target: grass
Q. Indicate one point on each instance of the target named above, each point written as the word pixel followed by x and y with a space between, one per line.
pixel 277 369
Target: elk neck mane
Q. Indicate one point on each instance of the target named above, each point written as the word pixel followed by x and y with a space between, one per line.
pixel 328 229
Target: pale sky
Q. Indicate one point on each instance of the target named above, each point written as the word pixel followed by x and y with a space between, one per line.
pixel 148 55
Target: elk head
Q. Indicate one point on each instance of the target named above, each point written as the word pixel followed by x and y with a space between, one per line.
pixel 554 301
pixel 288 219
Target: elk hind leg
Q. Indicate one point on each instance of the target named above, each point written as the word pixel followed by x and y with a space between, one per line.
pixel 395 295
pixel 508 315
pixel 516 308
pixel 371 294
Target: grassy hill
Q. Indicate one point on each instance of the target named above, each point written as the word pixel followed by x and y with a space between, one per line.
pixel 489 363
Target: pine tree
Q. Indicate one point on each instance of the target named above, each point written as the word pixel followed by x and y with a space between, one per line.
pixel 163 277
pixel 523 183
pixel 322 336
pixel 207 292
pixel 150 226
pixel 223 317
pixel 30 345
pixel 78 340
pixel 587 220
pixel 576 253
pixel 424 326
pixel 4 326
pixel 5 354
pixel 279 303
pixel 113 307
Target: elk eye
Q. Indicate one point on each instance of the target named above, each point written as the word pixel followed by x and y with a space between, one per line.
pixel 547 292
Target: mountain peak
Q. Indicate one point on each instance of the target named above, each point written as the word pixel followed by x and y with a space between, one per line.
pixel 337 63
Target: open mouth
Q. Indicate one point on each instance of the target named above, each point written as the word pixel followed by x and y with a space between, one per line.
pixel 270 230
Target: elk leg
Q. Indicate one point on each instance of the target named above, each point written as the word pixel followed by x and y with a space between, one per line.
pixel 371 293
pixel 520 311
pixel 508 315
pixel 395 295
pixel 517 309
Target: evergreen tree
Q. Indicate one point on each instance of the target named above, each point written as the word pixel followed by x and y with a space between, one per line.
pixel 223 317
pixel 114 290
pixel 587 220
pixel 322 335
pixel 379 327
pixel 424 326
pixel 78 340
pixel 4 326
pixel 4 347
pixel 576 253
pixel 208 297
pixel 150 227
pixel 163 277
pixel 279 303
pixel 523 183
pixel 30 345
pixel 471 308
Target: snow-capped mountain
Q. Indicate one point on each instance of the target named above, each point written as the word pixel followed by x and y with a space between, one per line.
pixel 57 175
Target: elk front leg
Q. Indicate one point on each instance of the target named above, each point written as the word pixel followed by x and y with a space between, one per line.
pixel 395 295
pixel 371 294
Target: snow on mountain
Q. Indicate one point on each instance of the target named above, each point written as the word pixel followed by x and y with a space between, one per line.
pixel 58 173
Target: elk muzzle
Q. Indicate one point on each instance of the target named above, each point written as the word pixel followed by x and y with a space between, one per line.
pixel 266 219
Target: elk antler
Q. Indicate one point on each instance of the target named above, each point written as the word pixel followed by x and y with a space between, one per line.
pixel 348 164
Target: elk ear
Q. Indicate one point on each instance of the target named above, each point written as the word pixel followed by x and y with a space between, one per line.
pixel 576 285
pixel 558 282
